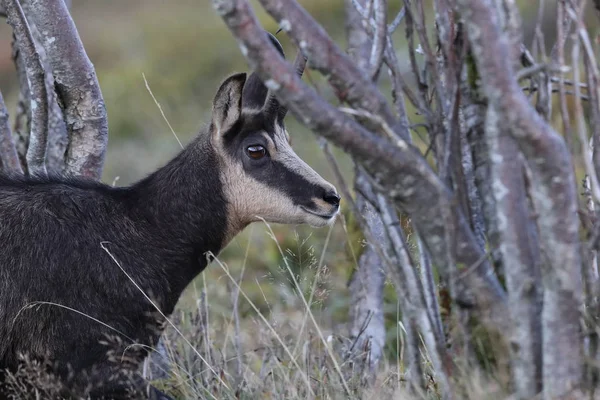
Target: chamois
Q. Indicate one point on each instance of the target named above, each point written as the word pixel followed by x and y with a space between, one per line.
pixel 71 247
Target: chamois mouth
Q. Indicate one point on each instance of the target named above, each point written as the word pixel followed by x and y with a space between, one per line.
pixel 323 216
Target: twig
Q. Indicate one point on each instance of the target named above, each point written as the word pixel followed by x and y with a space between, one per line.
pixel 559 48
pixel 421 86
pixel 528 72
pixel 429 290
pixel 397 20
pixel 379 38
pixel 38 137
pixel 563 26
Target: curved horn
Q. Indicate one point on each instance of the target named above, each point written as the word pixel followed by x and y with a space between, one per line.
pixel 255 92
pixel 299 65
pixel 272 106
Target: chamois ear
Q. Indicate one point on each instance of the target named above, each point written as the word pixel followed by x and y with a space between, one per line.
pixel 255 91
pixel 227 104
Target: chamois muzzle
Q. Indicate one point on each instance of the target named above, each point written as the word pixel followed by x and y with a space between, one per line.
pixel 332 198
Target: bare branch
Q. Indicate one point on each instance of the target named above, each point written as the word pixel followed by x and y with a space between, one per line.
pixel 559 50
pixel 528 72
pixel 367 282
pixel 8 151
pixel 379 39
pixel 473 123
pixel 349 81
pixel 76 85
pixel 520 255
pixel 366 287
pixel 553 191
pixel 397 20
pixel 401 171
pixel 429 290
pixel 38 137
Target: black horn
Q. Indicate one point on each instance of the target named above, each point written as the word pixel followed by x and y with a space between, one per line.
pixel 299 65
pixel 258 92
pixel 255 92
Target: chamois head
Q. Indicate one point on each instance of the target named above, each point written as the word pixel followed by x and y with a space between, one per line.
pixel 262 176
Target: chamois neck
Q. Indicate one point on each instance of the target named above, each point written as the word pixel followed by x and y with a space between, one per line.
pixel 185 204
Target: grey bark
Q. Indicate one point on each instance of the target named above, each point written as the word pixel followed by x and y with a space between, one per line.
pixel 429 290
pixel 57 128
pixel 520 256
pixel 8 151
pixel 366 284
pixel 473 196
pixel 379 38
pixel 76 87
pixel 22 123
pixel 473 113
pixel 38 136
pixel 367 327
pixel 554 196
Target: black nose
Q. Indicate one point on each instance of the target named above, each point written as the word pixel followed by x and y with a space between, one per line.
pixel 332 198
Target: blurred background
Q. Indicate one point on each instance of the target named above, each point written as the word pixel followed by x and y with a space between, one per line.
pixel 184 50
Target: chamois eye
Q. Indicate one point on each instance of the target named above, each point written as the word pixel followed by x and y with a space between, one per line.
pixel 256 152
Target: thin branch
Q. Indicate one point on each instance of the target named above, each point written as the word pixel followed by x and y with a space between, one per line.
pixel 397 20
pixel 563 26
pixel 421 86
pixel 38 137
pixel 429 290
pixel 528 72
pixel 379 38
pixel 559 48
pixel 367 282
pixel 8 151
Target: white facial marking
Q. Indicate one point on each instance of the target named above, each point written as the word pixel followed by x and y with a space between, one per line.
pixel 250 200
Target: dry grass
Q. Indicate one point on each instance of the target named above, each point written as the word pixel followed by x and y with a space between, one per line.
pixel 229 347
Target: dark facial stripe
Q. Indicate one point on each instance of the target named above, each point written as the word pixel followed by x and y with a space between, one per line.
pixel 293 185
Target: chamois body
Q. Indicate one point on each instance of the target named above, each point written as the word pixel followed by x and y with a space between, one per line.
pixel 57 235
pixel 78 257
